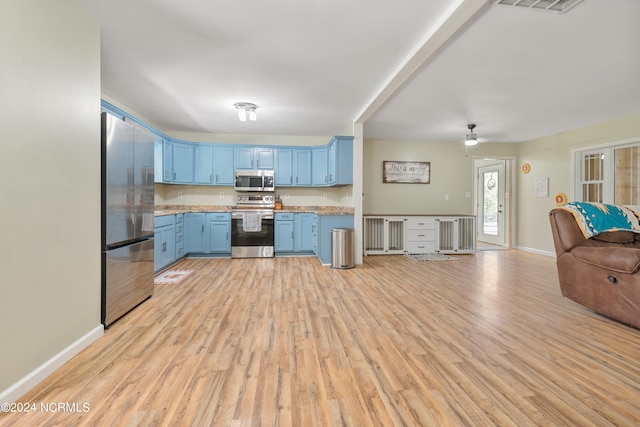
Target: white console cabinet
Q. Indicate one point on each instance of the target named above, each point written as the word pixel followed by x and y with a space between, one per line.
pixel 421 235
pixel 387 235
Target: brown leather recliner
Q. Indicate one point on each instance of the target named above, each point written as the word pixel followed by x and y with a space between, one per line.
pixel 602 272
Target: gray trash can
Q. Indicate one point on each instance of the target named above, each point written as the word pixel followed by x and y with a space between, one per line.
pixel 342 255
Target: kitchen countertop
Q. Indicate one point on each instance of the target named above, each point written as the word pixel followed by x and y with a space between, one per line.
pixel 320 210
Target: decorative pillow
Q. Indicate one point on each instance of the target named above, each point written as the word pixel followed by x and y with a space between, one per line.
pixel 596 218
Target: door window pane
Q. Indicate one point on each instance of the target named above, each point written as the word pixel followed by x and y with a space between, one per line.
pixel 490 214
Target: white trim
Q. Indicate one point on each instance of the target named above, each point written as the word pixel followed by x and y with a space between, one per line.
pixel 18 389
pixel 358 188
pixel 511 187
pixel 536 251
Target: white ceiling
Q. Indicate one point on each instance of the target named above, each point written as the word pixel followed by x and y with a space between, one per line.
pixel 315 66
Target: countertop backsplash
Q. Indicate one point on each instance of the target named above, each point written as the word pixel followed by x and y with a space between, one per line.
pixel 162 210
pixel 195 195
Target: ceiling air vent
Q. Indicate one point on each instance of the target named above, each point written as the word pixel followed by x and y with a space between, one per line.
pixel 554 6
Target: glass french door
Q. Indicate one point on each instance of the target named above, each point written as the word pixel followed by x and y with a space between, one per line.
pixel 491 218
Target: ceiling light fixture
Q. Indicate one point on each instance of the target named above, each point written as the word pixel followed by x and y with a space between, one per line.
pixel 244 108
pixel 472 138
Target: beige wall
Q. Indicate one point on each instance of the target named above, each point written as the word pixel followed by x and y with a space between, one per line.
pixel 451 175
pixel 224 138
pixel 551 157
pixel 50 182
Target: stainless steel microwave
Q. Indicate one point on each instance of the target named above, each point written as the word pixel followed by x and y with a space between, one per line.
pixel 254 180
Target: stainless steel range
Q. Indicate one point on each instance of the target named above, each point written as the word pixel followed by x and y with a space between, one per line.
pixel 252 232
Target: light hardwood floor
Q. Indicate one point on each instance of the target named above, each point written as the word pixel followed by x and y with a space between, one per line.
pixel 481 341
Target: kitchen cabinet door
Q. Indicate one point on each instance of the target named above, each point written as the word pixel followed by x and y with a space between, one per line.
pixel 219 232
pixel 243 157
pixel 341 160
pixel 264 158
pixel 319 164
pixel 164 246
pixel 158 169
pixel 284 167
pixel 203 164
pixel 223 165
pixel 253 158
pixel 167 161
pixel 182 163
pixel 283 239
pixel 303 232
pixel 194 233
pixel 302 166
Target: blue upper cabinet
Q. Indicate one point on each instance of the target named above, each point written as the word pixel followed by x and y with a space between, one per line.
pixel 203 164
pixel 320 166
pixel 253 158
pixel 167 161
pixel 223 165
pixel 183 163
pixel 264 158
pixel 243 157
pixel 293 166
pixel 302 166
pixel 157 159
pixel 333 165
pixel 284 166
pixel 340 160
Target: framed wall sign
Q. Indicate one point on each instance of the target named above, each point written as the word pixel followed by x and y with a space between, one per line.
pixel 406 172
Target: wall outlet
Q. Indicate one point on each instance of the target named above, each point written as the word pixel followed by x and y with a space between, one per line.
pixel 467 194
pixel 324 196
pixel 286 196
pixel 222 194
pixel 179 194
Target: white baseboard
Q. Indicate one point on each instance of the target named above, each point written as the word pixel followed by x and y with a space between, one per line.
pixel 536 251
pixel 17 390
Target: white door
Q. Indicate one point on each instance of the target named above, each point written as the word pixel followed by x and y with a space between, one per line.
pixel 491 207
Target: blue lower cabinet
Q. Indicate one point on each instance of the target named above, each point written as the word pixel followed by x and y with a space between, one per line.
pixel 219 226
pixel 164 242
pixel 294 232
pixel 194 233
pixel 207 233
pixel 303 224
pixel 283 230
pixel 326 223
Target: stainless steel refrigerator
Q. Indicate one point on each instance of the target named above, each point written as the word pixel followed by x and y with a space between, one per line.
pixel 127 217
